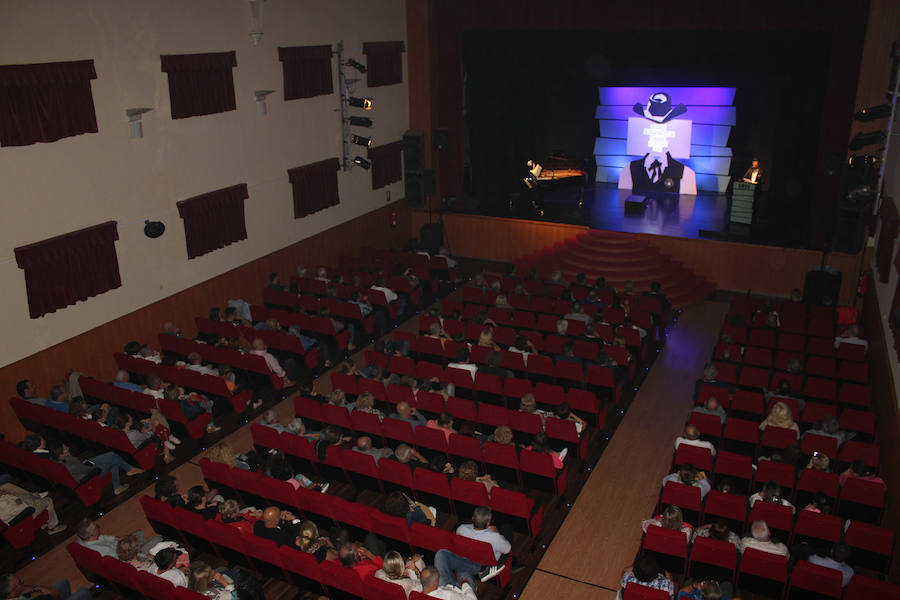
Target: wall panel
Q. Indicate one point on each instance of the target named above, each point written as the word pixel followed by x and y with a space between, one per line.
pixel 92 352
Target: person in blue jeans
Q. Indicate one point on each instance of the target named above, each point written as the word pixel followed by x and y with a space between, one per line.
pixel 15 589
pixel 108 462
pixel 454 568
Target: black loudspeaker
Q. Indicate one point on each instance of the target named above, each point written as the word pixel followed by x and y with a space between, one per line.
pixel 431 237
pixel 821 284
pixel 850 227
pixel 441 138
pixel 414 169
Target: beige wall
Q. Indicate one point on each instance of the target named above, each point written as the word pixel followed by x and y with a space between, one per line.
pixel 49 189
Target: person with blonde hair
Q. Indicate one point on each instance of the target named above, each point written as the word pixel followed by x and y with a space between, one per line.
pixel 486 339
pixel 212 584
pixel 780 415
pixel 128 550
pixel 502 435
pixel 225 454
pixel 310 541
pixel 403 573
pixel 468 471
pixel 671 518
pixel 365 402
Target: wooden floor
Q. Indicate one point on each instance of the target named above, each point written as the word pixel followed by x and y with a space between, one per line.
pixel 601 535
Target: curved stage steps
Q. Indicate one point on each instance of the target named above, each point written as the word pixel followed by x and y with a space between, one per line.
pixel 619 257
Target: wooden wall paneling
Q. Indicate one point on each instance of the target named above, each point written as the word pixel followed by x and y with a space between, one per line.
pixel 733 266
pixel 92 352
pixel 887 414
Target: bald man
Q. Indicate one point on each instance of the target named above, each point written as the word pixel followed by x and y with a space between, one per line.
pixel 430 578
pixel 407 413
pixel 123 380
pixel 277 525
pixel 691 437
pixel 364 445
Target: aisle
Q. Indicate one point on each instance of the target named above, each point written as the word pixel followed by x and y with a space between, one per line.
pixel 602 533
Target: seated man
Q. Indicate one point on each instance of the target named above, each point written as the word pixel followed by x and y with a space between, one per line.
pixel 59 399
pixel 305 341
pixel 123 380
pixel 390 295
pixel 761 539
pixel 14 500
pixel 448 563
pixel 108 462
pixel 195 363
pixel 277 525
pixel 463 356
pixel 443 423
pixel 691 437
pixel 405 412
pixel 164 566
pixel 192 405
pixel 155 387
pixel 170 328
pixel 270 419
pixel 12 588
pixel 829 426
pixel 148 353
pixel 430 579
pixel 578 314
pixel 568 354
pixel 406 454
pixel 89 536
pixel 275 282
pixel 28 392
pixel 359 558
pixel 260 349
pixel 712 407
pixel 837 560
pixel 851 336
pixel 364 445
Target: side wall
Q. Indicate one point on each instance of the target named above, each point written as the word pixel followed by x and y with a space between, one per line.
pixel 50 189
pixel 92 352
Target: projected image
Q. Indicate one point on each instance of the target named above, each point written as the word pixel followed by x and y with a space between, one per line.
pixel 665 139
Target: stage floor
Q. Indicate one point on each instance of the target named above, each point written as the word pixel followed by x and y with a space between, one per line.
pixel 604 206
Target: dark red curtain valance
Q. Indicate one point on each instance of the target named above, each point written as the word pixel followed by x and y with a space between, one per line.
pixel 67 268
pixel 890 225
pixel 46 102
pixel 200 84
pixel 387 164
pixel 307 71
pixel 384 62
pixel 214 220
pixel 315 186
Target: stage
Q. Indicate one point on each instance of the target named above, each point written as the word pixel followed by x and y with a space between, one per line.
pixel 604 206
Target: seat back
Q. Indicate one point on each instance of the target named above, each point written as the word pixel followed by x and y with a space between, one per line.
pixel 822 581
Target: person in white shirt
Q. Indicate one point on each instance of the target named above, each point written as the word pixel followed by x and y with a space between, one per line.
pixel 454 569
pixel 148 353
pixel 761 539
pixel 688 475
pixel 840 554
pixel 260 349
pixel 445 253
pixel 691 437
pixel 462 362
pixel 322 274
pixel 523 346
pixel 195 363
pixel 851 336
pixel 390 294
pixel 430 579
pixel 165 567
pixel 712 407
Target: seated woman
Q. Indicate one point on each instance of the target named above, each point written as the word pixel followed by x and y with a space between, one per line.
pixel 820 504
pixel 398 504
pixel 217 584
pixel 230 513
pixel 311 542
pixel 688 475
pixel 486 339
pixel 278 467
pixel 771 492
pixel 541 443
pixel 128 549
pixel 782 416
pixel 718 530
pixel 365 402
pixel 403 573
pixel 225 454
pixel 468 471
pixel 671 518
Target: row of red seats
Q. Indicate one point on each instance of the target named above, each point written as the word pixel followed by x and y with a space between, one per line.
pixel 339 309
pixel 505 456
pixel 813 388
pixel 761 360
pixel 220 356
pixel 90 431
pixel 143 403
pixel 873 545
pixel 273 339
pixel 547 395
pixel 795 343
pixel 715 559
pixel 211 385
pixel 88 492
pixel 20 530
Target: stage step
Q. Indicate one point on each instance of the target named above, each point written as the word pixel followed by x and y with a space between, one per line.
pixel 620 257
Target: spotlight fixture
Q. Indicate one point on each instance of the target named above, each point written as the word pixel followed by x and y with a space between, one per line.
pixel 364 103
pixel 360 121
pixel 871 113
pixel 356 65
pixel 360 140
pixel 359 160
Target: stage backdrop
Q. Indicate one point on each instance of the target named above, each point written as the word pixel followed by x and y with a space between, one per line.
pixel 696 131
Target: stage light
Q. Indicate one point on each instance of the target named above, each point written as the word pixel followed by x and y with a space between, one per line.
pixel 360 140
pixel 364 103
pixel 359 160
pixel 356 65
pixel 360 121
pixel 872 113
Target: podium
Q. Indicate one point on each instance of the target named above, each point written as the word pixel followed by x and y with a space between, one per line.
pixel 742 197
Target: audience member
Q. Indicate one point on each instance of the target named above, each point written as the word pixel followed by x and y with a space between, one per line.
pixel 691 437
pixel 430 579
pixel 837 559
pixel 454 569
pixel 408 413
pixel 13 588
pixel 761 539
pixel 712 407
pixel 718 530
pixel 108 462
pixel 780 415
pixel 770 492
pixel 89 536
pixel 404 573
pixel 27 391
pixel 671 518
pixel 851 336
pixel 860 470
pixel 830 427
pixel 646 573
pixel 688 475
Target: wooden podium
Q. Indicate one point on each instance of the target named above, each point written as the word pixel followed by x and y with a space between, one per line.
pixel 742 197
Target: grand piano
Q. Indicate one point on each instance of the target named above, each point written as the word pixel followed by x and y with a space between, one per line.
pixel 560 170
